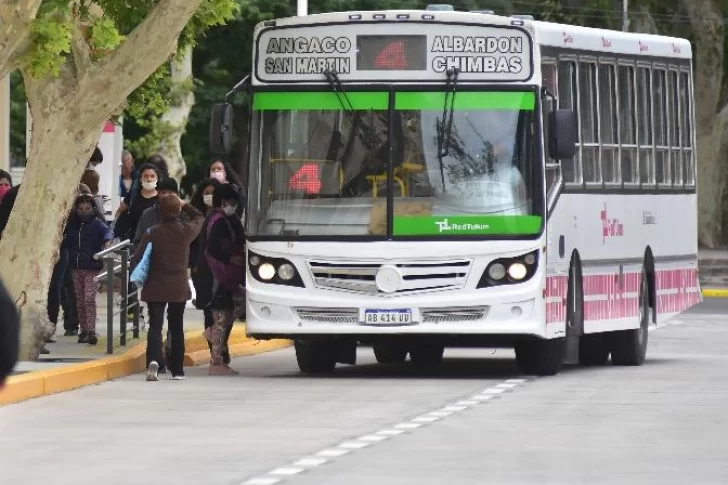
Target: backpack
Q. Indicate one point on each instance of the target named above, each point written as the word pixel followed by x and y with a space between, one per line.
pixel 226 274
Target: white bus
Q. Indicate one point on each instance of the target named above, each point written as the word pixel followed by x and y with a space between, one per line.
pixel 426 179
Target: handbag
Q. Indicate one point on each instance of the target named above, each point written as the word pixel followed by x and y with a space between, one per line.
pixel 141 272
pixel 227 275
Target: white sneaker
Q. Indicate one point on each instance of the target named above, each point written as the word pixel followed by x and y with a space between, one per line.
pixel 152 371
pixel 178 378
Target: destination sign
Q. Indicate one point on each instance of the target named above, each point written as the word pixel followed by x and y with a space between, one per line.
pixel 370 52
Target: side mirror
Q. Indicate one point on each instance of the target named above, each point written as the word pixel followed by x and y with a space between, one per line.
pixel 562 129
pixel 221 128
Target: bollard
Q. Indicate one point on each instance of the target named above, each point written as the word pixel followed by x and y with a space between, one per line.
pixel 109 304
pixel 124 307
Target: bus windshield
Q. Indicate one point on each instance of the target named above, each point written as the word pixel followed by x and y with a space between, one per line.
pixel 462 164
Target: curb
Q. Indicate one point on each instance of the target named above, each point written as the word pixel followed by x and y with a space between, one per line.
pixel 46 382
pixel 715 292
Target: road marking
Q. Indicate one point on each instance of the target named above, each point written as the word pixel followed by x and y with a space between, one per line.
pixel 262 481
pixel 332 452
pixel 346 447
pixel 287 471
pixel 311 462
pixel 354 445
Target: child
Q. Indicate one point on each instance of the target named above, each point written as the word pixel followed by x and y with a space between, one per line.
pixel 86 234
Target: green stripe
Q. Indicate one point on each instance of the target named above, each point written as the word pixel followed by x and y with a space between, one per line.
pixel 466 225
pixel 466 100
pixel 284 101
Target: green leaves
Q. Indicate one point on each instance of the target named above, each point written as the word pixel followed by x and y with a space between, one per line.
pixel 50 43
pixel 105 36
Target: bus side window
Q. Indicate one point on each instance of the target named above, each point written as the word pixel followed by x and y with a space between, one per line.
pixel 608 124
pixel 567 89
pixel 686 129
pixel 548 104
pixel 644 122
pixel 627 125
pixel 589 117
pixel 674 131
pixel 660 114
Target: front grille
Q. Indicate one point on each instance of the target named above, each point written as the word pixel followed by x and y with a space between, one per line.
pixel 453 315
pixel 417 275
pixel 328 315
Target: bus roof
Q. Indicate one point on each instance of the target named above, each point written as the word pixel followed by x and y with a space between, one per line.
pixel 573 37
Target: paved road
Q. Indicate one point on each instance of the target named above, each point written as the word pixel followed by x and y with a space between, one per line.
pixel 475 421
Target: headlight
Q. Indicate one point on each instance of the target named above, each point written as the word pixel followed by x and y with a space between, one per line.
pixel 266 271
pixel 517 271
pixel 497 271
pixel 254 260
pixel 286 271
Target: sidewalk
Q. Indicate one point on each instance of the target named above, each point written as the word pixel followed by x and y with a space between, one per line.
pixel 713 267
pixel 71 365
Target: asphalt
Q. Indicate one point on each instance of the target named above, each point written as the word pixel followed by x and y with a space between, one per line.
pixel 474 421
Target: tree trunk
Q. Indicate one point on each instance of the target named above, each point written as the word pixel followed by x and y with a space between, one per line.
pixel 706 19
pixel 174 121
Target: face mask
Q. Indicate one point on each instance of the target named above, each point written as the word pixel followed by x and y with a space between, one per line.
pixel 4 189
pixel 220 175
pixel 149 185
pixel 207 199
pixel 85 216
pixel 230 210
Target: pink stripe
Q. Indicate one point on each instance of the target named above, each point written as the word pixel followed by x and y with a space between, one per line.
pixel 109 127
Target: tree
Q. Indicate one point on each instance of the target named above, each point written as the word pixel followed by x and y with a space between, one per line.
pixel 80 63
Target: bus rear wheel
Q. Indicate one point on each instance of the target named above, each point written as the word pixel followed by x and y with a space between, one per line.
pixel 541 357
pixel 593 349
pixel 315 356
pixel 629 347
pixel 389 353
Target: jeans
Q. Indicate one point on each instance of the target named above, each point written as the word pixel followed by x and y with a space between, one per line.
pixel 61 294
pixel 175 322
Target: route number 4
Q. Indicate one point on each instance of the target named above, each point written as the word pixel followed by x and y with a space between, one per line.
pixel 307 179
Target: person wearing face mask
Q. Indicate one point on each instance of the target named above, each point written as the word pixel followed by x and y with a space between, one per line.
pixel 86 234
pixel 226 175
pixel 6 183
pixel 223 244
pixel 132 207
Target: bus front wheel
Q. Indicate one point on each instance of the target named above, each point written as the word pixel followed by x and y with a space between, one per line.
pixel 541 357
pixel 315 357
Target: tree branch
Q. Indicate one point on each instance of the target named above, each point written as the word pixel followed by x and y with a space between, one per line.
pixel 80 49
pixel 15 15
pixel 147 47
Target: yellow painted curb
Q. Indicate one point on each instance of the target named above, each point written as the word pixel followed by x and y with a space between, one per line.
pixel 715 292
pixel 42 383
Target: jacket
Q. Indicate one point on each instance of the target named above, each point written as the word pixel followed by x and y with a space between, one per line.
pixel 84 239
pixel 167 279
pixel 149 218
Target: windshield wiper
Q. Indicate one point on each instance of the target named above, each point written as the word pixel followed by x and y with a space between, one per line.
pixel 369 139
pixel 445 128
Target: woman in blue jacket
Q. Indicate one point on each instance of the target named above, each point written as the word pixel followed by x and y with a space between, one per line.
pixel 86 234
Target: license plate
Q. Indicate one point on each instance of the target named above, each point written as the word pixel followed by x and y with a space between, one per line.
pixel 388 317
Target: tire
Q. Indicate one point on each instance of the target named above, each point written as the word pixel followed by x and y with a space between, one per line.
pixel 593 349
pixel 389 353
pixel 574 328
pixel 541 357
pixel 315 357
pixel 629 347
pixel 427 354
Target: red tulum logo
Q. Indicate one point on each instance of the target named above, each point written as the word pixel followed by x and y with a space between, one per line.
pixel 610 227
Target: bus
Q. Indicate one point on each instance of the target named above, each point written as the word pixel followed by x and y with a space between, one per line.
pixel 427 179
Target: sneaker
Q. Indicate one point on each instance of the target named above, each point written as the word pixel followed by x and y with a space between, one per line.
pixel 152 371
pixel 92 339
pixel 44 351
pixel 70 332
pixel 178 378
pixel 222 370
pixel 83 338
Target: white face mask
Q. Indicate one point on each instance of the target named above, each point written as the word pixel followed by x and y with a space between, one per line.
pixel 207 199
pixel 149 185
pixel 219 175
pixel 230 210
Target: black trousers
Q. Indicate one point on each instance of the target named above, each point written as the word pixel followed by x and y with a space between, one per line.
pixel 61 294
pixel 175 320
